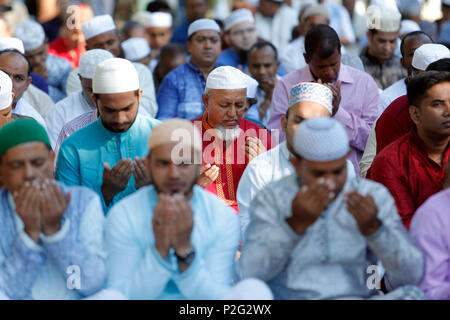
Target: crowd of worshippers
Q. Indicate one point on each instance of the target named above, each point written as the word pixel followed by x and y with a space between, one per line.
pixel 253 157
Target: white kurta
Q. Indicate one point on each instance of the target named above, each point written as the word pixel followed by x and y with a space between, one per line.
pixel 148 100
pixel 370 151
pixel 268 167
pixel 392 92
pixel 64 111
pixel 23 108
pixel 278 29
pixel 39 100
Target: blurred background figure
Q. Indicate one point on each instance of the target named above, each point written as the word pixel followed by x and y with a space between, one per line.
pixel 170 57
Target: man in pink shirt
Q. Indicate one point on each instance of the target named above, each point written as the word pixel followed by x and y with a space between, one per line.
pixel 359 106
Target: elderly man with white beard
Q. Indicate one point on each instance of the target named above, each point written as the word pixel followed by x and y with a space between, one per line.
pixel 229 142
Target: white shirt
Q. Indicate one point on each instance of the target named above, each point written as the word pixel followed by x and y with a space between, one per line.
pixel 23 108
pixel 370 151
pixel 268 167
pixel 392 92
pixel 278 29
pixel 148 99
pixel 64 111
pixel 38 99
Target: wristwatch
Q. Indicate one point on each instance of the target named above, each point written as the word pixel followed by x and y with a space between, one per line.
pixel 187 257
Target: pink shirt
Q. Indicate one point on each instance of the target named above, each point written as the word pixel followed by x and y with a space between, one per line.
pixel 357 112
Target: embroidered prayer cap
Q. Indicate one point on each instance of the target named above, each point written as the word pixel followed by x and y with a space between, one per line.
pixel 98 25
pixel 311 91
pixel 180 131
pixel 316 10
pixel 22 131
pixel 11 43
pixel 238 16
pixel 5 91
pixel 141 17
pixel 252 86
pixel 226 78
pixel 135 48
pixel 90 59
pixel 321 139
pixel 203 24
pixel 429 53
pixel 115 75
pixel 159 20
pixel 384 19
pixel 31 33
pixel 407 26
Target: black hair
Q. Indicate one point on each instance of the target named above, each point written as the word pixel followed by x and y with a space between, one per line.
pixel 440 65
pixel 418 86
pixel 6 51
pixel 322 40
pixel 158 5
pixel 260 45
pixel 172 50
pixel 413 34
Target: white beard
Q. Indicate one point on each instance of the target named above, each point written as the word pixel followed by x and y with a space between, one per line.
pixel 227 135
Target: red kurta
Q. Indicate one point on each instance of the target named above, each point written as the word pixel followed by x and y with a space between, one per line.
pixel 393 123
pixel 231 160
pixel 59 48
pixel 410 175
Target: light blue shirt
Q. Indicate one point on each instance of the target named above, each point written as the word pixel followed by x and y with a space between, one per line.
pixel 58 70
pixel 81 156
pixel 331 259
pixel 137 270
pixel 41 271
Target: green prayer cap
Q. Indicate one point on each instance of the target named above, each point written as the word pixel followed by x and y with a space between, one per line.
pixel 22 131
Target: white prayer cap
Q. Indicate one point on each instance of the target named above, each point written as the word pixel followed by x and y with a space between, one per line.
pixel 407 26
pixel 98 25
pixel 385 4
pixel 318 9
pixel 135 48
pixel 141 17
pixel 410 7
pixel 90 59
pixel 180 131
pixel 384 20
pixel 5 91
pixel 249 289
pixel 226 78
pixel 238 16
pixel 311 91
pixel 321 139
pixel 429 53
pixel 31 33
pixel 11 43
pixel 252 86
pixel 115 75
pixel 203 24
pixel 159 20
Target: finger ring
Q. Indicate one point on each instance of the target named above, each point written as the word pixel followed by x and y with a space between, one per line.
pixel 158 222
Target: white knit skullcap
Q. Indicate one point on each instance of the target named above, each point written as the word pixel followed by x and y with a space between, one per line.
pixel 11 43
pixel 203 24
pixel 98 25
pixel 383 19
pixel 5 91
pixel 180 131
pixel 318 9
pixel 311 91
pixel 141 17
pixel 321 139
pixel 31 33
pixel 252 86
pixel 226 78
pixel 238 16
pixel 159 20
pixel 407 26
pixel 115 75
pixel 90 59
pixel 135 48
pixel 429 53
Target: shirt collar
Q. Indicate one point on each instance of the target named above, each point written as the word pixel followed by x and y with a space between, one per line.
pixel 418 143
